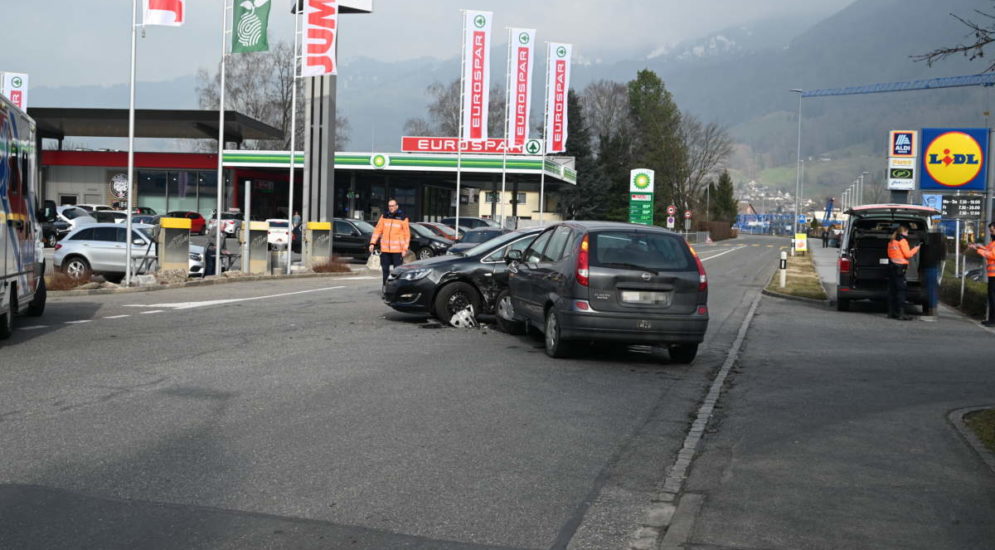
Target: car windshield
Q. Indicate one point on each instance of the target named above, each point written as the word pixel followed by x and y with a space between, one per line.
pixel 144 231
pixel 646 251
pixel 480 236
pixel 423 232
pixel 496 242
pixel 73 213
pixel 363 226
pixel 444 229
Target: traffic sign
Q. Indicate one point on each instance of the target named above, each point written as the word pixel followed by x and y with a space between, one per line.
pixel 687 224
pixel 671 221
pixel 671 210
pixel 687 214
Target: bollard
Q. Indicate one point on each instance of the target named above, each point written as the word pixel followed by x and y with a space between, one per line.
pixel 255 259
pixel 319 239
pixel 784 268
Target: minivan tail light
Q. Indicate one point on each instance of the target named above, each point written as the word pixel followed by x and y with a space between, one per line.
pixel 702 277
pixel 583 263
pixel 844 264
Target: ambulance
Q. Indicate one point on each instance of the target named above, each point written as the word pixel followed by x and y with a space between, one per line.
pixel 22 260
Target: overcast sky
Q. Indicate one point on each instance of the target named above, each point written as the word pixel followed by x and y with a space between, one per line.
pixel 69 43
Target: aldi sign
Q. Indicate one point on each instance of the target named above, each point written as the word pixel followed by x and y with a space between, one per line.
pixel 902 143
pixel 954 159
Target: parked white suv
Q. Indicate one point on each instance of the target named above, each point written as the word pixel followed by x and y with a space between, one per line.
pixel 101 248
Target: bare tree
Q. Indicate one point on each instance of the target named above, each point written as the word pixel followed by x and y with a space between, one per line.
pixel 983 34
pixel 259 85
pixel 443 112
pixel 707 146
pixel 606 109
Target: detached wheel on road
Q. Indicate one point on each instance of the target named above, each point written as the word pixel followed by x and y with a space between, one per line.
pixel 555 346
pixel 683 353
pixel 425 253
pixel 505 314
pixel 455 297
pixel 77 268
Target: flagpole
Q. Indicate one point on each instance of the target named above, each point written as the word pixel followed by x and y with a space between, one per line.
pixel 131 143
pixel 293 150
pixel 221 144
pixel 545 122
pixel 507 123
pixel 459 133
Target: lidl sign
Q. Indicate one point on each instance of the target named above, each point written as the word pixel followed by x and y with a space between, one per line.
pixel 954 158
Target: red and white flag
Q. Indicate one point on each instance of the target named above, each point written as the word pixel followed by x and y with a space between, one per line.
pixel 476 73
pixel 521 54
pixel 171 13
pixel 557 86
pixel 321 29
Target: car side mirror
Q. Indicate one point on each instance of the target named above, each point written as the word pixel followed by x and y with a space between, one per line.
pixel 513 256
pixel 138 242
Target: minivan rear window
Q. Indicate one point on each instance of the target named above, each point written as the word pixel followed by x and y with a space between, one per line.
pixel 630 250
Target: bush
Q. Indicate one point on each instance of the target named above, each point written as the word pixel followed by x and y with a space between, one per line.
pixel 335 265
pixel 975 293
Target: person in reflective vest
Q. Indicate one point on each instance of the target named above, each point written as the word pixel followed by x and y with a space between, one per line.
pixel 395 237
pixel 988 253
pixel 899 254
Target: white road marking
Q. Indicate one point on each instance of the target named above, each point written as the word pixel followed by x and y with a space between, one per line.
pixel 78 322
pixel 117 316
pixel 721 253
pixel 208 303
pixel 359 278
pixel 153 311
pixel 35 327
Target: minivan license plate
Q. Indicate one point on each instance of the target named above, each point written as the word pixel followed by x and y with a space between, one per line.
pixel 646 297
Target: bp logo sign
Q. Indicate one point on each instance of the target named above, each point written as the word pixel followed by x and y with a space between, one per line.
pixel 641 181
pixel 561 52
pixel 379 161
pixel 954 158
pixel 479 21
pixel 523 38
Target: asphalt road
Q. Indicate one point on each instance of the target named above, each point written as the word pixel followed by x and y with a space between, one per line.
pixel 306 414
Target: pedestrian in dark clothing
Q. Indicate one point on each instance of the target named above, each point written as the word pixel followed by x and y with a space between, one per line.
pixel 931 255
pixel 825 238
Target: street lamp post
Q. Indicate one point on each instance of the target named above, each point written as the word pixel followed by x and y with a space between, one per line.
pixel 860 196
pixel 798 163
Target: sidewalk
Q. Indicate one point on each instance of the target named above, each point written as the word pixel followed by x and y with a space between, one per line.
pixel 833 433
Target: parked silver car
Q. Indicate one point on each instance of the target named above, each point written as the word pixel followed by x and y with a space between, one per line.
pixel 101 248
pixel 74 216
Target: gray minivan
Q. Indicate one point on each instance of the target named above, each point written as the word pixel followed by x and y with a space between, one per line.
pixel 609 281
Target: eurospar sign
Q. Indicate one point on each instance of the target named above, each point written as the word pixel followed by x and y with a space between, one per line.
pixel 424 144
pixel 954 159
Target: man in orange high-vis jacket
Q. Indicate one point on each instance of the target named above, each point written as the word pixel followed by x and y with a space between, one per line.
pixel 988 253
pixel 395 237
pixel 899 254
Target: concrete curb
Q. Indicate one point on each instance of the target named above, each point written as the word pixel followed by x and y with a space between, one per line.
pixel 826 302
pixel 956 418
pixel 202 282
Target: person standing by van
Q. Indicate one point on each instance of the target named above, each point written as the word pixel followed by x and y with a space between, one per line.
pixel 934 251
pixel 395 237
pixel 899 255
pixel 988 253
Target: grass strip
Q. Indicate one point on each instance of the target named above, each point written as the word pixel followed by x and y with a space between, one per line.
pixel 802 280
pixel 982 423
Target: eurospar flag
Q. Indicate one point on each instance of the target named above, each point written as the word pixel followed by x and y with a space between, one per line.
pixel 557 85
pixel 521 55
pixel 170 13
pixel 476 73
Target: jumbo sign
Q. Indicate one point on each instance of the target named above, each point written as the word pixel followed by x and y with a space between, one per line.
pixel 954 159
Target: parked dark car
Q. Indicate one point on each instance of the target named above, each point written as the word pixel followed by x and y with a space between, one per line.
pixel 52 228
pixel 609 281
pixel 425 244
pixel 442 230
pixel 443 285
pixel 350 237
pixel 863 260
pixel 469 222
pixel 473 237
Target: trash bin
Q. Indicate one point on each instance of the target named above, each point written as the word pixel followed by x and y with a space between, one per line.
pixel 277 262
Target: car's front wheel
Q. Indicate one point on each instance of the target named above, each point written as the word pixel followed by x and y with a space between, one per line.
pixel 37 305
pixel 505 313
pixel 425 253
pixel 455 297
pixel 683 353
pixel 555 346
pixel 7 319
